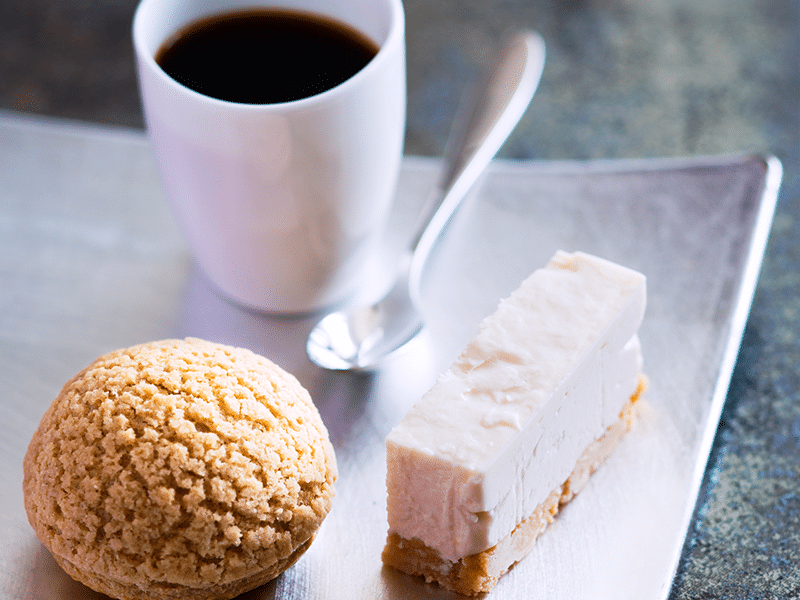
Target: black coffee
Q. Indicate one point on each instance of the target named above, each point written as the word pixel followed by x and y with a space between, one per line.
pixel 265 56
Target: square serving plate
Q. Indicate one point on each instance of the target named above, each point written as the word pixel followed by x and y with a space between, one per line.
pixel 91 260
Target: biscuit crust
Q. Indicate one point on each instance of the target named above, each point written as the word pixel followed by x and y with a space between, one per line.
pixel 179 469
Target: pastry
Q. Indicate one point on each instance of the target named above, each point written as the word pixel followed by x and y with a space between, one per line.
pixel 179 469
pixel 534 404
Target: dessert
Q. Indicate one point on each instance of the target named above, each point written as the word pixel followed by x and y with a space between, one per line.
pixel 481 464
pixel 179 469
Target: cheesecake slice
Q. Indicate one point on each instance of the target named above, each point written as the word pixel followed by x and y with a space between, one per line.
pixel 533 405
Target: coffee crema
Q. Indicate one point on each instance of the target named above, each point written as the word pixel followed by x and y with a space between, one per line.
pixel 264 55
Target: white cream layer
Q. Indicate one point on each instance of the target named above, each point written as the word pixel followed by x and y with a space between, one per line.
pixel 546 375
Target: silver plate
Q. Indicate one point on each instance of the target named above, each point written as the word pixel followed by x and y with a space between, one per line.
pixel 91 261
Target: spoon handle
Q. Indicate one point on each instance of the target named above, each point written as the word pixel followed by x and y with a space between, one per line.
pixel 484 122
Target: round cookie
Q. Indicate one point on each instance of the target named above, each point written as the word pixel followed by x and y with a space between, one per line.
pixel 179 469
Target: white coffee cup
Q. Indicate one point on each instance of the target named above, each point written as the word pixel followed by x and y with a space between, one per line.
pixel 282 205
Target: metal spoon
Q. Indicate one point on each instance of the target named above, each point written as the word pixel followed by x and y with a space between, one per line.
pixel 359 338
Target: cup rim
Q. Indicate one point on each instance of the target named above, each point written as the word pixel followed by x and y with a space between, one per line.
pixel 395 36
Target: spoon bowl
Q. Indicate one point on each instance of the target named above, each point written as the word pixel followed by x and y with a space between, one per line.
pixel 352 340
pixel 359 338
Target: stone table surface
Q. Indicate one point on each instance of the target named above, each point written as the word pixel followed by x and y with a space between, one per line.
pixel 623 79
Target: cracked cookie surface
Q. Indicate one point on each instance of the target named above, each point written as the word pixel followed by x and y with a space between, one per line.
pixel 179 469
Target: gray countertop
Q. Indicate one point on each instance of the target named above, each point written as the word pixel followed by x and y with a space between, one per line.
pixel 623 79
